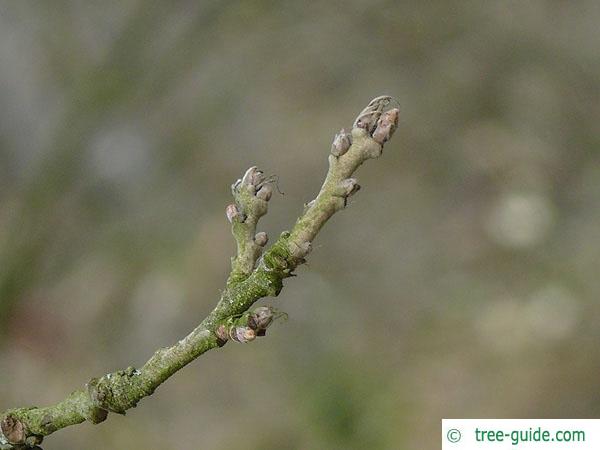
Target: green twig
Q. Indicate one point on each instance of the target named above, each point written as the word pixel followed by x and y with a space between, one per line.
pixel 252 277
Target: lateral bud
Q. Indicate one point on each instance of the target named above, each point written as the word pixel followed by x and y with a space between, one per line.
pixel 349 186
pixel 242 334
pixel 222 335
pixel 265 192
pixel 386 125
pixel 261 239
pixel 367 119
pixel 341 143
pixel 252 177
pixel 260 319
pixel 232 213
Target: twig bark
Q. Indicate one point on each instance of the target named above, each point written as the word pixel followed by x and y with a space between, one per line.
pixel 252 277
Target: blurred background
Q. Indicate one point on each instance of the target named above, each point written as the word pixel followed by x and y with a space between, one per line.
pixel 470 286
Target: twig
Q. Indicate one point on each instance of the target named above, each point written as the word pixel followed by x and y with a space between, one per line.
pixel 252 277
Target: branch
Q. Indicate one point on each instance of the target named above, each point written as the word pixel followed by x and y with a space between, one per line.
pixel 252 278
pixel 251 194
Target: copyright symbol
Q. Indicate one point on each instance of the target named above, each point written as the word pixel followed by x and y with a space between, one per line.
pixel 453 435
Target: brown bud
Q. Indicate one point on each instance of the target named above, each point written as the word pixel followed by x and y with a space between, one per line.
pixel 265 192
pixel 349 186
pixel 222 335
pixel 261 318
pixel 252 177
pixel 367 119
pixel 232 212
pixel 242 334
pixel 261 239
pixel 386 125
pixel 341 143
pixel 13 430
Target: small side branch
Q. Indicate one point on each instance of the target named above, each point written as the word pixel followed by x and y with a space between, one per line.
pixel 252 277
pixel 251 193
pixel 372 129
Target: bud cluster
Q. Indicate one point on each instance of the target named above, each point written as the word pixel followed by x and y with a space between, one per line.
pixel 378 124
pixel 253 181
pixel 248 327
pixel 252 193
pixel 386 125
pixel 367 119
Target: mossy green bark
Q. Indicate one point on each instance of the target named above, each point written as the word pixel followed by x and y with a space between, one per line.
pixel 252 278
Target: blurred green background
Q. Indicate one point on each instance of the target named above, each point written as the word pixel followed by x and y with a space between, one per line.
pixel 463 281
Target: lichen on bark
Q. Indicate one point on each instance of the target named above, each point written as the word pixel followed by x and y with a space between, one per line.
pixel 255 274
